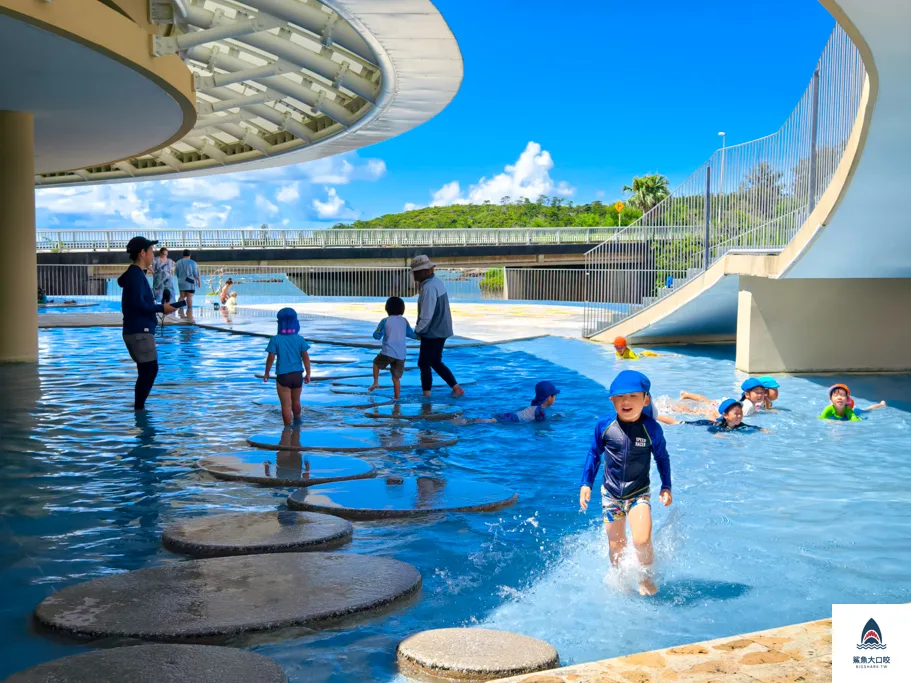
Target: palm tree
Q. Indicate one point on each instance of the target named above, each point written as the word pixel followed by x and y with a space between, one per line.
pixel 648 191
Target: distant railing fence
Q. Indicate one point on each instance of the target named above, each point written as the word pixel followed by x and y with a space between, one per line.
pixel 116 240
pixel 752 196
pixel 276 284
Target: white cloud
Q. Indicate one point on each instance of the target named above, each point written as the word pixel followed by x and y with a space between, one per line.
pixel 333 207
pixel 599 194
pixel 340 171
pixel 528 178
pixel 217 189
pixel 264 204
pixel 287 193
pixel 121 200
pixel 204 215
pixel 411 206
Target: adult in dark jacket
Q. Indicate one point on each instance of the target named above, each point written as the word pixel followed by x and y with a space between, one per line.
pixel 139 317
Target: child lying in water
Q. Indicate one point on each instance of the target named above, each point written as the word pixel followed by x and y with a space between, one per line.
pixel 545 396
pixel 731 419
pixel 842 405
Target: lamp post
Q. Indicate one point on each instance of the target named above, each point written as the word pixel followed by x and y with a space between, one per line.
pixel 724 139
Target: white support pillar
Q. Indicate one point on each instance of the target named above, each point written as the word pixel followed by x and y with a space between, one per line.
pixel 18 254
pixel 816 325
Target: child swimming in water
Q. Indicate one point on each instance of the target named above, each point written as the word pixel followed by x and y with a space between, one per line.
pixel 771 386
pixel 754 393
pixel 731 419
pixel 624 352
pixel 545 396
pixel 842 405
pixel 293 360
pixel 630 438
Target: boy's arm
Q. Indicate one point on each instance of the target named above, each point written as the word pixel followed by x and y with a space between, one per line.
pixel 270 358
pixel 380 329
pixel 427 305
pixel 306 358
pixel 662 459
pixel 593 459
pixel 409 332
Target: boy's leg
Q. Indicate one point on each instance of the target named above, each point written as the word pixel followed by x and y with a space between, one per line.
pixel 616 537
pixel 640 524
pixel 376 377
pixel 296 403
pixel 396 384
pixel 694 397
pixel 284 395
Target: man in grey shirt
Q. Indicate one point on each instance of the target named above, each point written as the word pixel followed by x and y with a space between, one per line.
pixel 187 280
pixel 434 326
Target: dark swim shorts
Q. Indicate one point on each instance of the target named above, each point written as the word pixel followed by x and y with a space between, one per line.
pixel 291 380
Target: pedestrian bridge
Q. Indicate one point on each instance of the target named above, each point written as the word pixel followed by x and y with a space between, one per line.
pixel 796 244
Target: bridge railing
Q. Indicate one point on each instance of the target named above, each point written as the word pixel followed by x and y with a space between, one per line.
pixel 257 285
pixel 116 240
pixel 752 196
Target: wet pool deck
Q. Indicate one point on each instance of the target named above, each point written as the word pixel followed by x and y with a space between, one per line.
pixel 801 653
pixel 473 323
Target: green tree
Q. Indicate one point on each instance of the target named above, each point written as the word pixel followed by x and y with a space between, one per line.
pixel 648 191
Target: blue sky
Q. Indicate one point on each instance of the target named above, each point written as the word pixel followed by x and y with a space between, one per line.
pixel 573 103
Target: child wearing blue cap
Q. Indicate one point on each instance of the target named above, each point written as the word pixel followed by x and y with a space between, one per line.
pixel 730 419
pixel 754 393
pixel 293 359
pixel 545 396
pixel 771 386
pixel 630 438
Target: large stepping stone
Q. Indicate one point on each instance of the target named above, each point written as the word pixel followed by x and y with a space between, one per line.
pixel 251 533
pixel 329 400
pixel 473 654
pixel 224 596
pixel 327 359
pixel 351 440
pixel 411 380
pixel 157 664
pixel 329 374
pixel 398 497
pixel 285 468
pixel 416 411
pixel 382 396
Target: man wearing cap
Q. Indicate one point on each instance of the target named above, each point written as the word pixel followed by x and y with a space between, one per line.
pixel 139 317
pixel 434 325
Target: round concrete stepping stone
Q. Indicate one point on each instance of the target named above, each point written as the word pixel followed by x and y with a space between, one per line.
pixel 330 374
pixel 224 596
pixel 251 533
pixel 473 654
pixel 410 380
pixel 383 394
pixel 157 664
pixel 329 400
pixel 417 411
pixel 334 359
pixel 285 468
pixel 397 497
pixel 351 440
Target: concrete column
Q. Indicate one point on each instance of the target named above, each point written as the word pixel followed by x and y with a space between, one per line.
pixel 18 258
pixel 815 325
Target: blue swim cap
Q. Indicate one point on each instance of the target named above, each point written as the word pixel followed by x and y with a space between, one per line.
pixel 727 404
pixel 751 383
pixel 769 382
pixel 630 382
pixel 543 391
pixel 288 322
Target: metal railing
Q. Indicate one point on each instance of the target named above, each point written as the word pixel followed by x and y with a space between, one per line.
pixel 116 240
pixel 288 284
pixel 752 196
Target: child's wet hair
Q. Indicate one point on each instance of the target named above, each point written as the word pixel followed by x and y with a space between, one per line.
pixel 395 306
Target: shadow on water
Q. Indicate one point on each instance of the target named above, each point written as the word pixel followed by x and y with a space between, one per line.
pixel 690 592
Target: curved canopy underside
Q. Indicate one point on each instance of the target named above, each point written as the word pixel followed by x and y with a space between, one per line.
pixel 285 81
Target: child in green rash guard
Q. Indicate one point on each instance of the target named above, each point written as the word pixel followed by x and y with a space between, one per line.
pixel 842 405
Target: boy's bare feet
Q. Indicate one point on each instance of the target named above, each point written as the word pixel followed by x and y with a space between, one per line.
pixel 426 394
pixel 374 386
pixel 457 391
pixel 647 587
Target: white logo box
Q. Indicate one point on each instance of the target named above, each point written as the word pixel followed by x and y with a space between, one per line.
pixel 871 643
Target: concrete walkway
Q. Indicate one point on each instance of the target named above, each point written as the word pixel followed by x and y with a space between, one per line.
pixel 801 653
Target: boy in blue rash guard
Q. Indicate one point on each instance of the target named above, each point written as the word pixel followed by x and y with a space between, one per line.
pixel 629 438
pixel 730 420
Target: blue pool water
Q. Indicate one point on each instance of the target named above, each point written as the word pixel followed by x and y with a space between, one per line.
pixel 765 529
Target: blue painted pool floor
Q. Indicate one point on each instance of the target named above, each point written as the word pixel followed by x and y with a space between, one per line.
pixel 765 530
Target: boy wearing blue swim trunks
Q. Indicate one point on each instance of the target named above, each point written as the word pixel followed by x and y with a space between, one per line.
pixel 629 437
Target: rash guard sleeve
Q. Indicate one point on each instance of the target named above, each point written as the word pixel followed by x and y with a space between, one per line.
pixel 380 329
pixel 593 459
pixel 659 450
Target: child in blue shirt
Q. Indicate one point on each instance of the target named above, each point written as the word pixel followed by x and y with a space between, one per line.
pixel 545 396
pixel 291 349
pixel 393 330
pixel 629 438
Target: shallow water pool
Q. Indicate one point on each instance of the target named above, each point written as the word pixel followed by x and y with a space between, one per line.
pixel 765 530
